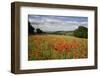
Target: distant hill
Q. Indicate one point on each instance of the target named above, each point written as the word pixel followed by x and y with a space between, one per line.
pixel 70 33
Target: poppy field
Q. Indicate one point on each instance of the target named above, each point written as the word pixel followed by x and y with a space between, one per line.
pixel 50 47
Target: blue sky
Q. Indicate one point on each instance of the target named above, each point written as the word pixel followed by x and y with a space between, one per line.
pixel 57 23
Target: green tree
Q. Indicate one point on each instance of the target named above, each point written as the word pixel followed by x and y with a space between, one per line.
pixel 39 30
pixel 30 29
pixel 81 32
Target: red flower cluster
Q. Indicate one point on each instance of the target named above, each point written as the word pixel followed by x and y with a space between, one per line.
pixel 61 46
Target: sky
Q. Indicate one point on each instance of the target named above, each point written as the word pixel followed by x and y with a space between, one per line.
pixel 57 23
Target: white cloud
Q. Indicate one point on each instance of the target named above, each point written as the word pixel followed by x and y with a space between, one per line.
pixel 51 24
pixel 59 27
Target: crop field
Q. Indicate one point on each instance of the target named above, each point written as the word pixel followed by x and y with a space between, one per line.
pixel 50 47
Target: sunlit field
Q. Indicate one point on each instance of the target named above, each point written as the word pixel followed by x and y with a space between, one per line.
pixel 50 47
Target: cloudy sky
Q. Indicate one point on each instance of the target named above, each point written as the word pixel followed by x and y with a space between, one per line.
pixel 57 23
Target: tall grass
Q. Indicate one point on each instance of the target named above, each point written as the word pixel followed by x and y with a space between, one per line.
pixel 44 47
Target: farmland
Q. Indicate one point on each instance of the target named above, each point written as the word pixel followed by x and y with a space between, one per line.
pixel 50 46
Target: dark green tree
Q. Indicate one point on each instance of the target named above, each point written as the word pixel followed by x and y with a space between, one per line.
pixel 39 30
pixel 30 29
pixel 81 32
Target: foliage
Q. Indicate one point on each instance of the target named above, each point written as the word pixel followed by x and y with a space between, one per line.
pixel 30 29
pixel 81 32
pixel 39 31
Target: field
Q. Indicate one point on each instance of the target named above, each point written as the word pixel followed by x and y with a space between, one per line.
pixel 47 47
